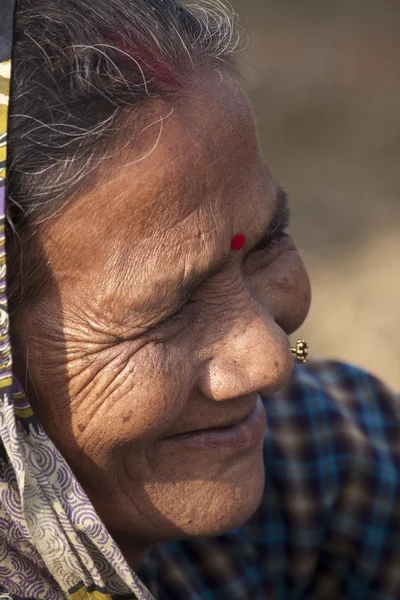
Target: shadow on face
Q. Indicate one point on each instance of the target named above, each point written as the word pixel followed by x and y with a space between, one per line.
pixel 150 326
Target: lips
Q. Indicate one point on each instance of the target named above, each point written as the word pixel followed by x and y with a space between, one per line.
pixel 234 436
pixel 233 422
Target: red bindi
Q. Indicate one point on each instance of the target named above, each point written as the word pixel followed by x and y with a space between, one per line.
pixel 238 242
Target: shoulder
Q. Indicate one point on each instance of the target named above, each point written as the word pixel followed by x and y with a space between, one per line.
pixel 342 383
pixel 332 466
pixel 333 401
pixel 332 422
pixel 341 380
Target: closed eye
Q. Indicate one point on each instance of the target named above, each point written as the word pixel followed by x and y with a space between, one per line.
pixel 177 315
pixel 274 234
pixel 277 228
pixel 268 242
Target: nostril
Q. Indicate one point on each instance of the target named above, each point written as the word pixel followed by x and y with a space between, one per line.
pixel 243 369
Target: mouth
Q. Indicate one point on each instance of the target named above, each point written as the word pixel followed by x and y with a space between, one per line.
pixel 238 434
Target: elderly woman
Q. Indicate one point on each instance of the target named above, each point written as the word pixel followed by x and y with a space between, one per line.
pixel 167 444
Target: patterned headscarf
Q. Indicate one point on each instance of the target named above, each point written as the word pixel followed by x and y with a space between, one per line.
pixel 52 543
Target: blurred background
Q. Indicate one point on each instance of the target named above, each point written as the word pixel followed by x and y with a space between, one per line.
pixel 324 78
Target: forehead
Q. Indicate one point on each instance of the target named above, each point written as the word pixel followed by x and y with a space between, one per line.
pixel 196 151
pixel 191 178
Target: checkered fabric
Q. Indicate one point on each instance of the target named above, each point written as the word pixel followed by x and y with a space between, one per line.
pixel 328 527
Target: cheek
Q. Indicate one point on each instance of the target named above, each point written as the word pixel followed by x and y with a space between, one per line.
pixel 112 403
pixel 284 289
pixel 141 401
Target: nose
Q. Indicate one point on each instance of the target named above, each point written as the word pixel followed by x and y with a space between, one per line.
pixel 250 354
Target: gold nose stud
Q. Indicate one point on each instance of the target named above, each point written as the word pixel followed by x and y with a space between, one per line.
pixel 301 351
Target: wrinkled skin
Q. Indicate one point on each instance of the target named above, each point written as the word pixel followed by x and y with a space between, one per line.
pixel 114 369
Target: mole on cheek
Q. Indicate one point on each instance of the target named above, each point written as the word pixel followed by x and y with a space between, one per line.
pixel 81 427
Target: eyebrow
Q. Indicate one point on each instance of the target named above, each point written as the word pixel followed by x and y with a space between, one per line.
pixel 280 221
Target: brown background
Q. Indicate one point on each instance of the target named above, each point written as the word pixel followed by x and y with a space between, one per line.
pixel 324 78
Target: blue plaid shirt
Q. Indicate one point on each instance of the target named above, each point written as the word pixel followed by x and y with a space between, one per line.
pixel 329 523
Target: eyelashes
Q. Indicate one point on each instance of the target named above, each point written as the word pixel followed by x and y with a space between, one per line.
pixel 178 315
pixel 270 241
pixel 275 232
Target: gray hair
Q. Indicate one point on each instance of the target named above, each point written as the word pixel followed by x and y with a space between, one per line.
pixel 81 67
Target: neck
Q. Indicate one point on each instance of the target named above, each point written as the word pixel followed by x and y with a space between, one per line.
pixel 133 554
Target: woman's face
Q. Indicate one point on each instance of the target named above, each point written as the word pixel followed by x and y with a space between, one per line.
pixel 152 327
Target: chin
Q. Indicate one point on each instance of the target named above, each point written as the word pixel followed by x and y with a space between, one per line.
pixel 235 511
pixel 213 507
pixel 197 500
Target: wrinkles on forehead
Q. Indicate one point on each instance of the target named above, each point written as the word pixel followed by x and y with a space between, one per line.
pixel 171 214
